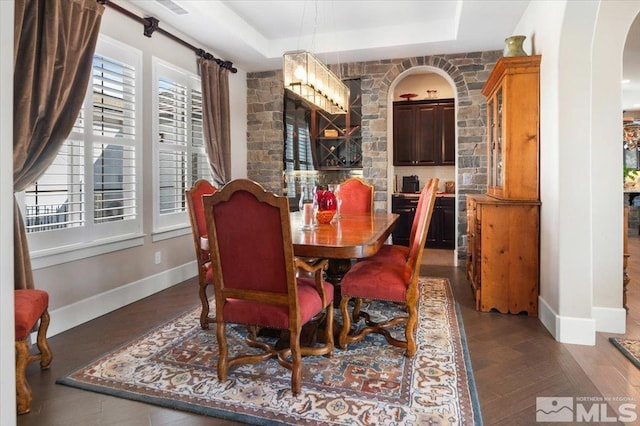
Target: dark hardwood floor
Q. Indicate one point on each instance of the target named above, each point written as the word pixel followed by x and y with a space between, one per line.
pixel 514 360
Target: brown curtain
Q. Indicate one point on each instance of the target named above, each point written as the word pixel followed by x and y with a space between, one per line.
pixel 216 119
pixel 54 43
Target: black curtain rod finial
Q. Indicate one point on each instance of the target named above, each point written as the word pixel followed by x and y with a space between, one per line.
pixel 151 25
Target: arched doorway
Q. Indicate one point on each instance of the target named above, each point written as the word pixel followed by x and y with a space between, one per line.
pixel 612 28
pixel 417 80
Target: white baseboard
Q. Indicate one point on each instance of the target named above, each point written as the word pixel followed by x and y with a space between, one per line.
pixel 67 317
pixel 579 331
pixel 610 320
pixel 547 316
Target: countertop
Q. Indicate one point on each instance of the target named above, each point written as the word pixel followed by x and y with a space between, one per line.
pixel 417 194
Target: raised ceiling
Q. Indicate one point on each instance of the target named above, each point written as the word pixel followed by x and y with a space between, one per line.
pixel 254 34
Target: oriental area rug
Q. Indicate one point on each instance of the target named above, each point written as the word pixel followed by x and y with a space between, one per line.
pixel 372 382
pixel 629 347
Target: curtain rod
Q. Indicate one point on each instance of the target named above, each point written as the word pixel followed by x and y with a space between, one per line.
pixel 151 25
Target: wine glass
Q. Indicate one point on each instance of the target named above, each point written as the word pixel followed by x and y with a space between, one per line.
pixel 336 192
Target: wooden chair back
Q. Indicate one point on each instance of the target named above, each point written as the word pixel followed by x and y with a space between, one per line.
pixel 195 208
pixel 421 224
pixel 421 201
pixel 255 277
pixel 250 230
pixel 356 196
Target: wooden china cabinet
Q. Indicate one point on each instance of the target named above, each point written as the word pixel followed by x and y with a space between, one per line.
pixel 503 225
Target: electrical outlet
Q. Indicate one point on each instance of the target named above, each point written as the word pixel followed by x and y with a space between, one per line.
pixel 158 257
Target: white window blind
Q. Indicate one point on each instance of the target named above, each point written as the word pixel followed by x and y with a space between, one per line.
pixel 114 171
pixel 181 156
pixel 199 160
pixel 172 137
pixel 91 190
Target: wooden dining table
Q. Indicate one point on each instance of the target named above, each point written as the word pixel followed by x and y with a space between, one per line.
pixel 349 237
pixel 352 236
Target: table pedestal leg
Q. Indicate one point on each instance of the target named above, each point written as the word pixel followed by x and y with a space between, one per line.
pixel 335 272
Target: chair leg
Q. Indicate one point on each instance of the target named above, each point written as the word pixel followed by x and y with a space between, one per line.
pixel 346 322
pixel 296 361
pixel 204 315
pixel 410 329
pixel 23 390
pixel 329 330
pixel 356 309
pixel 42 343
pixel 223 353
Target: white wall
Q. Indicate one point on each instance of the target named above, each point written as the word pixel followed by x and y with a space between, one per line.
pixel 581 215
pixel 7 352
pixel 238 109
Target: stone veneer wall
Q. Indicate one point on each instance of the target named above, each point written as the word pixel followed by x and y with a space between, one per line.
pixel 469 72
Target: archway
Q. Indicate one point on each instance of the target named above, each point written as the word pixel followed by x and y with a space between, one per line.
pixel 612 27
pixel 469 113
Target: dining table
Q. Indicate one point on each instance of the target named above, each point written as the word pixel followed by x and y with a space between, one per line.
pixel 345 238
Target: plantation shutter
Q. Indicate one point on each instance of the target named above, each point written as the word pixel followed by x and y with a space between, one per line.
pixel 199 161
pixel 172 137
pixel 114 135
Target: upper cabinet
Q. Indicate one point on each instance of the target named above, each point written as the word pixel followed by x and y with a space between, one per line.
pixel 424 133
pixel 338 138
pixel 513 93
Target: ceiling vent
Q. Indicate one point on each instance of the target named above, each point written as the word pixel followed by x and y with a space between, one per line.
pixel 173 6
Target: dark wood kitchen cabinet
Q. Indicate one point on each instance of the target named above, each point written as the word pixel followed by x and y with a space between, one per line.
pixel 424 133
pixel 442 232
pixel 441 229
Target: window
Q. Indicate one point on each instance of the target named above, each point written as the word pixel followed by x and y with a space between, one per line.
pixel 297 137
pixel 180 155
pixel 91 190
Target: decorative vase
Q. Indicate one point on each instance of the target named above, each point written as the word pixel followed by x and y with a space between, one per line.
pixel 514 45
pixel 326 206
pixel 325 216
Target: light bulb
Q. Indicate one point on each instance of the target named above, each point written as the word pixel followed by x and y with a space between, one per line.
pixel 299 73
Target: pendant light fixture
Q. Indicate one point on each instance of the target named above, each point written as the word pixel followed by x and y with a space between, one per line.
pixel 313 81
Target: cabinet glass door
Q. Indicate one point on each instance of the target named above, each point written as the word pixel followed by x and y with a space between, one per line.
pixel 491 111
pixel 499 141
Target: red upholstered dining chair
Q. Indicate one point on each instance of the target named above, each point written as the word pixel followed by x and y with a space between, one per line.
pixel 390 282
pixel 201 244
pixel 356 196
pixel 31 306
pixel 255 277
pixel 393 253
